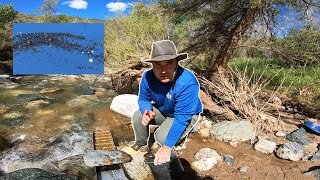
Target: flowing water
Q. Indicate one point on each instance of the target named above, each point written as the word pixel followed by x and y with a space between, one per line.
pixel 39 129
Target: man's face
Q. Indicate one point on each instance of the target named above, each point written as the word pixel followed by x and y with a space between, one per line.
pixel 164 70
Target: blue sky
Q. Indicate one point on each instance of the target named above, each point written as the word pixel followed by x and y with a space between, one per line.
pixel 98 9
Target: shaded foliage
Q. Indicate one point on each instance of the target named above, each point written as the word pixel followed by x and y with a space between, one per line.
pixel 129 38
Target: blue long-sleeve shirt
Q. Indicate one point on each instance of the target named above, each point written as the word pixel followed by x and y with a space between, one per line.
pixel 179 100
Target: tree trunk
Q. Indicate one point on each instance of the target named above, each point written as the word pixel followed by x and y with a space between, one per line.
pixel 226 51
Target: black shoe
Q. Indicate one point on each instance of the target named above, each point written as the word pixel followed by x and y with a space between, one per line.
pixel 136 146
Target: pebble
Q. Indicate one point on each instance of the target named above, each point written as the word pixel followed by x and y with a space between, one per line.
pixel 228 159
pixel 244 169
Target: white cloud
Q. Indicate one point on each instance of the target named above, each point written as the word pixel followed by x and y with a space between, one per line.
pixel 118 6
pixel 76 4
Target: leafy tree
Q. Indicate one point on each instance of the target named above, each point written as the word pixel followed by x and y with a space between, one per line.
pixel 8 15
pixel 129 38
pixel 301 46
pixel 48 9
pixel 222 23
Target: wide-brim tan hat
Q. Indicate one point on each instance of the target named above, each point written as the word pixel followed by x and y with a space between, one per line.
pixel 164 50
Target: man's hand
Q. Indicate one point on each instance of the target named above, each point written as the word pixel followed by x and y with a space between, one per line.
pixel 147 117
pixel 162 155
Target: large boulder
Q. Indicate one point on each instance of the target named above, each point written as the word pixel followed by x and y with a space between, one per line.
pixel 234 131
pixel 125 104
pixel 292 151
pixel 206 158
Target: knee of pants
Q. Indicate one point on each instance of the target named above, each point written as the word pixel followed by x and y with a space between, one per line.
pixel 159 138
pixel 136 118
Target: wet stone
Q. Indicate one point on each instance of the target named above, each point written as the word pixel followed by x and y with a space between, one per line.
pixel 50 90
pixel 83 90
pixel 75 165
pixel 33 97
pixel 300 136
pixel 35 173
pixel 98 105
pixel 12 121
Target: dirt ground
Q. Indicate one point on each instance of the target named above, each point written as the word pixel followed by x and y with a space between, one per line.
pixel 261 166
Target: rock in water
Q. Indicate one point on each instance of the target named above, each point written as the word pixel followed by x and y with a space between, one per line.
pixel 125 104
pixel 300 136
pixel 50 90
pixel 235 131
pixel 206 158
pixel 83 90
pixel 35 173
pixel 292 151
pixel 265 145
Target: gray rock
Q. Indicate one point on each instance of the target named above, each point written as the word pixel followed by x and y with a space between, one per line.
pixel 84 90
pixel 315 172
pixel 265 146
pixel 228 159
pixel 300 136
pixel 292 151
pixel 316 156
pixel 35 173
pixel 206 158
pixel 235 131
pixel 244 169
pixel 281 134
pixel 125 104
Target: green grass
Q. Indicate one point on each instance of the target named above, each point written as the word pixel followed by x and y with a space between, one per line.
pixel 294 79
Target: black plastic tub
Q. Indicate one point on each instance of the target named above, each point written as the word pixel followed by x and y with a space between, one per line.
pixel 172 170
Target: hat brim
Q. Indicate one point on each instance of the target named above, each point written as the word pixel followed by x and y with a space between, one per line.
pixel 179 57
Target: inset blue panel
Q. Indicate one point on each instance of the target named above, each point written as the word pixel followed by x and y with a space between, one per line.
pixel 58 48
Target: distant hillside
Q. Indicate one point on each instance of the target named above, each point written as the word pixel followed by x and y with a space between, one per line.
pixel 33 18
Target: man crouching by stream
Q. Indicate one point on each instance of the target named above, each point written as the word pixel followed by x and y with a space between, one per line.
pixel 175 93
